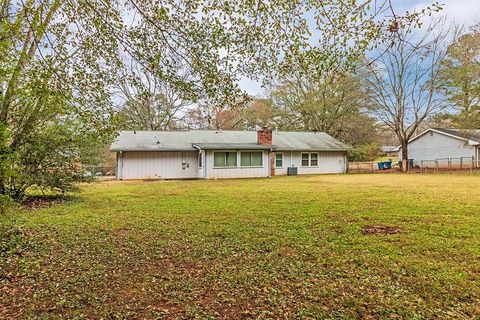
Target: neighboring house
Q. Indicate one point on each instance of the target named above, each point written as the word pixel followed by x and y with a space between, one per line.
pixel 205 154
pixel 389 151
pixel 437 143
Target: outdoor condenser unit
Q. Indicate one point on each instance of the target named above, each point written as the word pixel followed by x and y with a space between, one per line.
pixel 292 171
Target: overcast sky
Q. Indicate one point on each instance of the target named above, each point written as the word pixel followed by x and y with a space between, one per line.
pixel 462 12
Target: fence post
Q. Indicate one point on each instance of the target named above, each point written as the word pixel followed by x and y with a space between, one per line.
pixel 461 163
pixel 372 167
pixel 358 167
pixel 436 166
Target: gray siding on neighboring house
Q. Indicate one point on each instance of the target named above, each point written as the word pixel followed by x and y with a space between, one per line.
pixel 238 172
pixel 433 145
pixel 157 165
pixel 328 162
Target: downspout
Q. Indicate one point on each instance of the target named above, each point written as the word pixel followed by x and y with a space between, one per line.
pixel 269 161
pixel 204 160
pixel 120 165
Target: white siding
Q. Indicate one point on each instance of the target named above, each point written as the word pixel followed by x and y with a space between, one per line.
pixel 328 162
pixel 158 165
pixel 433 145
pixel 169 165
pixel 238 172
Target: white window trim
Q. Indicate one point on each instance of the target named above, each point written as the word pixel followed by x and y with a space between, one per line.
pixel 225 167
pixel 239 163
pixel 200 160
pixel 309 159
pixel 276 159
pixel 239 159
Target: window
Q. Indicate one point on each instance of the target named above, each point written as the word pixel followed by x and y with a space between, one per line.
pixel 224 159
pixel 278 160
pixel 200 156
pixel 309 159
pixel 251 159
pixel 313 159
pixel 305 159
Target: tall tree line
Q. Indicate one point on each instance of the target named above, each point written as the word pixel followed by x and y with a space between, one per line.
pixel 66 66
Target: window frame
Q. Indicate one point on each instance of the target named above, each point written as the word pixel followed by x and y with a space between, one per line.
pixel 251 166
pixel 200 160
pixel 309 160
pixel 225 159
pixel 317 159
pixel 278 154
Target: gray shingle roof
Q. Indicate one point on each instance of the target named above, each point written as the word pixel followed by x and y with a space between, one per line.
pixel 236 146
pixel 388 148
pixel 184 140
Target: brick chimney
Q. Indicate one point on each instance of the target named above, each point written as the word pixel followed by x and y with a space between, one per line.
pixel 264 137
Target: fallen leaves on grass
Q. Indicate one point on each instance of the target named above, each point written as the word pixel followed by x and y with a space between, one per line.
pixel 40 202
pixel 380 229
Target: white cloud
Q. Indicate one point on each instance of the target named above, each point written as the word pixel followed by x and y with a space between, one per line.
pixel 460 12
pixel 252 87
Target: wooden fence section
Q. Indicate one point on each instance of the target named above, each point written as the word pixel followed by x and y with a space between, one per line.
pixel 369 167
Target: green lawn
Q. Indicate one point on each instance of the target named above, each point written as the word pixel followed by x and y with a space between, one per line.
pixel 289 247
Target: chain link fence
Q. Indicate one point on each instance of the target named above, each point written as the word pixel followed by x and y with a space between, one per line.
pixel 466 164
pixel 98 172
pixel 445 165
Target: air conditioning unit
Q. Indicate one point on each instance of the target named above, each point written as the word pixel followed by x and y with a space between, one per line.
pixel 292 171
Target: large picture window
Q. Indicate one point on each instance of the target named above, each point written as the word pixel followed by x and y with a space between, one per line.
pixel 310 159
pixel 224 159
pixel 251 159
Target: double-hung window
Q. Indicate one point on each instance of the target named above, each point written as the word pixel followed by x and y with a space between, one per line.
pixel 278 160
pixel 224 159
pixel 309 159
pixel 313 159
pixel 251 159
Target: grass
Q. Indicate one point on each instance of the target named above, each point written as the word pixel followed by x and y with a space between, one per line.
pixel 289 247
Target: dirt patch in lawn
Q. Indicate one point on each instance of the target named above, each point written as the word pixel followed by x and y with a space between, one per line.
pixel 40 202
pixel 380 229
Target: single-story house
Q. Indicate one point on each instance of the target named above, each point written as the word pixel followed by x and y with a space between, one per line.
pixel 389 151
pixel 217 154
pixel 441 143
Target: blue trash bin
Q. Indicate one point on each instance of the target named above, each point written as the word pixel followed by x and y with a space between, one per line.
pixel 387 165
pixel 381 165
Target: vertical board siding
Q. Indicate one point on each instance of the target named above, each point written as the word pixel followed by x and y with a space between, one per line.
pixel 238 172
pixel 158 165
pixel 437 146
pixel 328 162
pixel 168 165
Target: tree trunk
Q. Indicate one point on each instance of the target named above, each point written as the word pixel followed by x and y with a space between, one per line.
pixel 404 155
